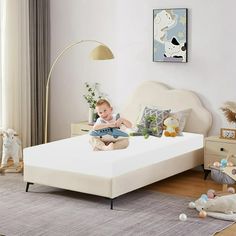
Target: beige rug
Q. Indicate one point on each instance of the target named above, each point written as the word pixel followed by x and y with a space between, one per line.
pixel 50 211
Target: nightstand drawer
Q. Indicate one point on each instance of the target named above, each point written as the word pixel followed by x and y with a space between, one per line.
pixel 219 148
pixel 80 128
pixel 216 149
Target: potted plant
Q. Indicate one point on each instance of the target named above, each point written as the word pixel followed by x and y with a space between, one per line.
pixel 91 97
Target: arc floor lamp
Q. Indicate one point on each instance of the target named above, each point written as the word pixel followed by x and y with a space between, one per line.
pixel 101 52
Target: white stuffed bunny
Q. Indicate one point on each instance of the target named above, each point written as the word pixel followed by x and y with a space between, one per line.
pixel 11 148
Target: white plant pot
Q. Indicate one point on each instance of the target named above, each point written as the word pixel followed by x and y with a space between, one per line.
pixel 91 116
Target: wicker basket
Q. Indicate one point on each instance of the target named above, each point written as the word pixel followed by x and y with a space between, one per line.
pixel 219 176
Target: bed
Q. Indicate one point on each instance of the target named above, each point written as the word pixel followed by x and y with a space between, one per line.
pixel 71 164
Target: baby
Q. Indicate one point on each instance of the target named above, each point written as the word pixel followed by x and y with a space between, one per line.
pixel 108 120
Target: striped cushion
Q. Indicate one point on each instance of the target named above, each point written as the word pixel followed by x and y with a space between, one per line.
pixel 156 126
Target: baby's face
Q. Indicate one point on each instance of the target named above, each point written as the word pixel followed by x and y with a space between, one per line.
pixel 104 111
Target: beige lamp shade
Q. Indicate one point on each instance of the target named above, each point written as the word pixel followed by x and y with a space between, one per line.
pixel 101 52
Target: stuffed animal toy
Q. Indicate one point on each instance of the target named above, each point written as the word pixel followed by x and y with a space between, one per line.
pixel 114 132
pixel 225 204
pixel 11 148
pixel 171 126
pixel 109 131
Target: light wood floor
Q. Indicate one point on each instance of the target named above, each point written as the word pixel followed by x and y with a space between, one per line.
pixel 190 184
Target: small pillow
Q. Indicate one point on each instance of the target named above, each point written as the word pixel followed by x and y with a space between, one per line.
pixel 156 124
pixel 141 110
pixel 182 117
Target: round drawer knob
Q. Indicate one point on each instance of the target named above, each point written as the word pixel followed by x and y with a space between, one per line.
pixel 221 149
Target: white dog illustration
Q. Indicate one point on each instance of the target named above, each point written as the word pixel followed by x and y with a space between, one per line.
pixel 175 49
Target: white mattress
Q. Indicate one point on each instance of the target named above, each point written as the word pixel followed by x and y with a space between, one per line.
pixel 76 155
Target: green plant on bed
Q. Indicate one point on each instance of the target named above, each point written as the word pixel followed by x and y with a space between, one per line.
pixel 146 129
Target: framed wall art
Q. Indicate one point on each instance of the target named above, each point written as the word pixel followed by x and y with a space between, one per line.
pixel 228 133
pixel 170 35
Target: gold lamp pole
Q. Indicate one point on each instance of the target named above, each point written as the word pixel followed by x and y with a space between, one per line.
pixel 101 52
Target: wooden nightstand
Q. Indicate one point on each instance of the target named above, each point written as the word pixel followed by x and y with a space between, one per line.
pixel 80 128
pixel 216 149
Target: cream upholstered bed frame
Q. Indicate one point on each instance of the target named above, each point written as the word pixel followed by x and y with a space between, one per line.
pixel 152 93
pixel 157 94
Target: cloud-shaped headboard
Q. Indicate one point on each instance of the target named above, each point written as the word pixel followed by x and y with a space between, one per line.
pixel 158 94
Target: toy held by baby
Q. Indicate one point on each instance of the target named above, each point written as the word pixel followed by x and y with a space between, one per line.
pixel 115 132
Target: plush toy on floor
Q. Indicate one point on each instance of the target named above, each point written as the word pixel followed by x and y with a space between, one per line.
pixel 172 127
pixel 225 204
pixel 11 148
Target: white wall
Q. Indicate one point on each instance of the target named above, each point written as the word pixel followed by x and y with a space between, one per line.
pixel 126 26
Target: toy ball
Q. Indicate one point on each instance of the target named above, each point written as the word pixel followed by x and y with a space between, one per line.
pixel 231 190
pixel 183 217
pixel 191 205
pixel 211 193
pixel 204 197
pixel 202 214
pixel 230 164
pixel 223 163
pixel 216 164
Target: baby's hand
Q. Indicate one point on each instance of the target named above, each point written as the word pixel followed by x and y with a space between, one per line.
pixel 119 122
pixel 112 125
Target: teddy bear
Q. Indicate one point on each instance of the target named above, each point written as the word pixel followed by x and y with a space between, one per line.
pixel 171 126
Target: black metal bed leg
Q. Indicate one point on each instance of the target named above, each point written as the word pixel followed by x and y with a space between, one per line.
pixel 202 165
pixel 206 173
pixel 27 186
pixel 111 204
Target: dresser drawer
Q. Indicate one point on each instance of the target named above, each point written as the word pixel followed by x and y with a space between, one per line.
pixel 219 148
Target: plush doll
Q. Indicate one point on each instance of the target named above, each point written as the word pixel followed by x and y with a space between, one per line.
pixel 225 204
pixel 171 126
pixel 11 148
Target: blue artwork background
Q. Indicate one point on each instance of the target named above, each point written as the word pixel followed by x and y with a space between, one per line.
pixel 179 31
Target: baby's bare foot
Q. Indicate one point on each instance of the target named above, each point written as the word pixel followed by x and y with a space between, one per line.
pixel 108 147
